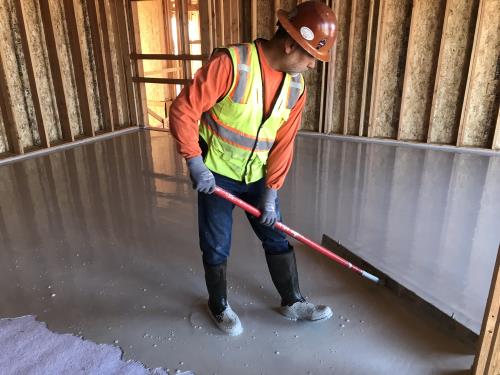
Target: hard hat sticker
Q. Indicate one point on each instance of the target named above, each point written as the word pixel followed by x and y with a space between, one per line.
pixel 306 33
pixel 321 43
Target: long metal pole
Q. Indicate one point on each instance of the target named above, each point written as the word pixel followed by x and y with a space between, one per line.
pixel 299 237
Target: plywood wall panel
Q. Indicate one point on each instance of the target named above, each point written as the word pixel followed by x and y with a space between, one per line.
pixel 13 143
pixel 310 117
pixel 393 28
pixel 76 57
pixel 17 79
pixel 41 50
pixel 226 13
pixel 341 54
pixel 287 4
pixel 20 15
pixel 119 76
pixel 110 99
pixel 265 19
pixel 41 70
pixel 89 63
pixel 480 107
pixel 231 21
pixel 357 42
pixel 128 12
pixel 235 21
pixel 65 65
pixel 152 40
pixel 451 73
pixel 206 27
pixel 128 42
pixel 421 61
pixel 220 27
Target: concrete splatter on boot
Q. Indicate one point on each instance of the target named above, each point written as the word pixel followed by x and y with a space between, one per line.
pixel 227 321
pixel 306 311
pixel 220 311
pixel 283 269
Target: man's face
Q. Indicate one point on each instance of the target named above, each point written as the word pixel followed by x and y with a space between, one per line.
pixel 296 60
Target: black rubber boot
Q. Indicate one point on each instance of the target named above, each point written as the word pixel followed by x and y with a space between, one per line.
pixel 215 278
pixel 218 307
pixel 283 269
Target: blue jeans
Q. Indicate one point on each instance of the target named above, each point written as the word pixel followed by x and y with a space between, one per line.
pixel 215 221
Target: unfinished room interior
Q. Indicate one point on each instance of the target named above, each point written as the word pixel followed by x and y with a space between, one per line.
pixel 142 141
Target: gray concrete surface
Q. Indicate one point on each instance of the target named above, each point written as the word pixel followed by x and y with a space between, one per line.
pixel 101 241
pixel 427 218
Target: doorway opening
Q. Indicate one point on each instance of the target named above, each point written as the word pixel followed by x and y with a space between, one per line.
pixel 173 38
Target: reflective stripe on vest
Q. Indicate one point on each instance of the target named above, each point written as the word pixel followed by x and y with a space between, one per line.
pixel 236 138
pixel 243 69
pixel 295 91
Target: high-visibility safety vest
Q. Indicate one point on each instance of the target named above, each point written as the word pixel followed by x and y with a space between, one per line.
pixel 238 137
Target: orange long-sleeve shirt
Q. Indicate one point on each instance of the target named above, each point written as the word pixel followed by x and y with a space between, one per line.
pixel 211 83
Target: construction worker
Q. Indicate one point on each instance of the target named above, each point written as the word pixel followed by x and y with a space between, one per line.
pixel 235 124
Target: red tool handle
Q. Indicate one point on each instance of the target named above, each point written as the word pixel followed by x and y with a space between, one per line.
pixel 299 237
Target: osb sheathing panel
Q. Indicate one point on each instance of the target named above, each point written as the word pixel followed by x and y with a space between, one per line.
pixel 118 73
pixel 421 61
pixel 18 86
pixel 287 4
pixel 393 27
pixel 480 103
pixel 451 75
pixel 89 67
pixel 358 44
pixel 105 72
pixel 152 33
pixel 65 64
pixel 339 83
pixel 265 18
pixel 310 116
pixel 152 29
pixel 41 70
pixel 15 66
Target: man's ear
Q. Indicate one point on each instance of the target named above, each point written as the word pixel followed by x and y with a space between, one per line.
pixel 289 45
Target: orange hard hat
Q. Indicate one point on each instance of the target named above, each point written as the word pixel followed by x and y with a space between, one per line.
pixel 313 25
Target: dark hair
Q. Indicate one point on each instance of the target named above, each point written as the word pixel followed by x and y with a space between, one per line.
pixel 281 33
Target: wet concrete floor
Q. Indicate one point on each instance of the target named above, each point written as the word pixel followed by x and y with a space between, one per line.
pixel 427 218
pixel 101 241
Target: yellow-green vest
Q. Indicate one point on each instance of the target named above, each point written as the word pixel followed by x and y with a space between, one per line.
pixel 238 140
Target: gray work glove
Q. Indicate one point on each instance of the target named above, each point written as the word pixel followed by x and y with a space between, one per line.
pixel 203 180
pixel 267 207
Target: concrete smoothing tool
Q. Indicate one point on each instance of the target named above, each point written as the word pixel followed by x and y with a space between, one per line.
pixel 299 237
